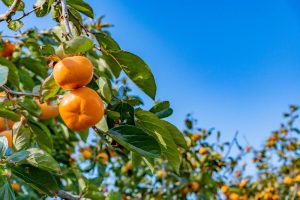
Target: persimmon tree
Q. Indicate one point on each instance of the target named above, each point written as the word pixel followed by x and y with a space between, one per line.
pixel 66 107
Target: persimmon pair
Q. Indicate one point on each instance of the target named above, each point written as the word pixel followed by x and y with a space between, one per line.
pixel 82 107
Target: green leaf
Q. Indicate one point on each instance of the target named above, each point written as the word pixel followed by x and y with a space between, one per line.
pixel 176 134
pixel 82 7
pixel 106 41
pixel 36 66
pixel 13 75
pixel 41 180
pixel 42 136
pixel 18 157
pixel 42 7
pixel 47 50
pixel 136 159
pixel 21 136
pixel 15 25
pixel 3 146
pixel 3 75
pixel 30 105
pixel 112 64
pixel 41 159
pixel 79 44
pixel 114 196
pixel 9 114
pixel 137 70
pixel 162 109
pixel 49 88
pixel 6 192
pixel 136 140
pixel 150 123
pixel 104 89
pixel 10 2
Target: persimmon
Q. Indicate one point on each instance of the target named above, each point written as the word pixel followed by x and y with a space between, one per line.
pixel 127 167
pixel 196 137
pixel 73 72
pixel 104 157
pixel 297 178
pixel 288 180
pixel 185 190
pixel 81 109
pixel 6 124
pixel 7 50
pixel 86 154
pixel 225 189
pixel 195 186
pixel 203 151
pixel 243 183
pixel 234 196
pixel 48 110
pixel 8 135
pixel 15 186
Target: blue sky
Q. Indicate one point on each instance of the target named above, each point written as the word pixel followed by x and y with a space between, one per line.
pixel 234 64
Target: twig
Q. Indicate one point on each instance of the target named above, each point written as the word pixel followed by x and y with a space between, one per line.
pixel 28 13
pixel 231 144
pixel 66 18
pixel 9 91
pixel 67 196
pixel 11 11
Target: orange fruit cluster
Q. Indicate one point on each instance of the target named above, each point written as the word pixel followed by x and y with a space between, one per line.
pixel 82 107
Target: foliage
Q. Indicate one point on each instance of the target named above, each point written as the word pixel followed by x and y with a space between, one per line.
pixel 132 153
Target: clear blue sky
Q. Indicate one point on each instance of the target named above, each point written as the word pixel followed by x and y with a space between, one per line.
pixel 234 64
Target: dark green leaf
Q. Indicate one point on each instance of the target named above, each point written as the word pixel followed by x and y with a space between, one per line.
pixel 42 7
pixel 82 7
pixel 36 66
pixel 41 159
pixel 136 140
pixel 112 64
pixel 30 105
pixel 137 70
pixel 41 180
pixel 42 136
pixel 47 50
pixel 155 127
pixel 162 109
pixel 106 42
pixel 9 114
pixel 176 134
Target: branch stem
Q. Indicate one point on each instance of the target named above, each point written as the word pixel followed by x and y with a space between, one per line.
pixel 65 14
pixel 11 11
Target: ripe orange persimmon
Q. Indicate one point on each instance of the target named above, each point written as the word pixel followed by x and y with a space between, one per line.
pixel 81 109
pixel 8 135
pixel 86 154
pixel 15 187
pixel 48 110
pixel 288 180
pixel 73 72
pixel 7 50
pixel 195 186
pixel 5 124
pixel 104 157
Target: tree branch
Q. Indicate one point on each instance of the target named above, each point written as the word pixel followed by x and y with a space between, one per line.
pixel 67 196
pixel 9 91
pixel 11 11
pixel 65 14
